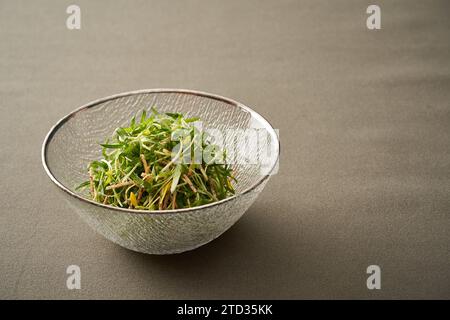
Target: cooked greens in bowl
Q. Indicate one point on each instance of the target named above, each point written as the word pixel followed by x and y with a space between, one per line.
pixel 151 165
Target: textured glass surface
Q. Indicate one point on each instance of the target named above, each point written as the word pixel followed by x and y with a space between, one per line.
pixel 74 142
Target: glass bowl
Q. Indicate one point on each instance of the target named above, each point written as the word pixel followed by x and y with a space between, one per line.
pixel 73 143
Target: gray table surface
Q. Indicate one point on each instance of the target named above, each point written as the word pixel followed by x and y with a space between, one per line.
pixel 364 120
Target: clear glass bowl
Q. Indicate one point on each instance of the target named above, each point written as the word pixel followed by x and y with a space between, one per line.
pixel 74 142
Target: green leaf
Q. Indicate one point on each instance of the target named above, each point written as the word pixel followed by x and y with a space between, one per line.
pixel 143 115
pixel 111 146
pixel 98 164
pixel 174 115
pixel 82 185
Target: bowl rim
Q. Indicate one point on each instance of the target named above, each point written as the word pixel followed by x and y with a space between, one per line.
pixel 96 102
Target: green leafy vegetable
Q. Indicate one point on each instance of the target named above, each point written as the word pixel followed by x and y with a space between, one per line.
pixel 143 168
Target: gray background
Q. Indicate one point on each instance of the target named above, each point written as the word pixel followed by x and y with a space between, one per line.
pixel 364 119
